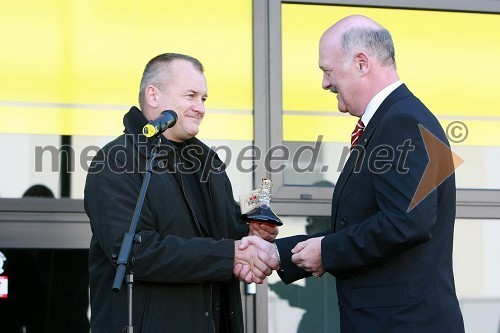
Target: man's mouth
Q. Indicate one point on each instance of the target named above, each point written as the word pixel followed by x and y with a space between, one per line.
pixel 194 119
pixel 334 90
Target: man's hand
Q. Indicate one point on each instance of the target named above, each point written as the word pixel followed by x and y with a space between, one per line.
pixel 254 259
pixel 265 231
pixel 307 255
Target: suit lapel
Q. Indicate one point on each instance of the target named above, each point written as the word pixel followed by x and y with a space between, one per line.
pixel 358 152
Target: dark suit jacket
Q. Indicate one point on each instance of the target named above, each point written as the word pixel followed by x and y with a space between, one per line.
pixel 393 266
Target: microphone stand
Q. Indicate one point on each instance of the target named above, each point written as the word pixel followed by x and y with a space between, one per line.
pixel 130 237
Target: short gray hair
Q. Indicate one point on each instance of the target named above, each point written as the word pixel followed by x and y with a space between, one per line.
pixel 156 71
pixel 376 42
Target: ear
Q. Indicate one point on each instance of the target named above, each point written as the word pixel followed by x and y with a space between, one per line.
pixel 151 96
pixel 363 63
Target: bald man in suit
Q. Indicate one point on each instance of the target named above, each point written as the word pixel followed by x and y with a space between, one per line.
pixel 391 256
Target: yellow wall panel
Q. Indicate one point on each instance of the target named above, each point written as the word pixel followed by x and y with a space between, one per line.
pixel 61 120
pixel 446 58
pixel 306 128
pixel 105 122
pixel 91 52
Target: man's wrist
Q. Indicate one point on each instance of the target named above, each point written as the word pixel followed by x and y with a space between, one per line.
pixel 278 255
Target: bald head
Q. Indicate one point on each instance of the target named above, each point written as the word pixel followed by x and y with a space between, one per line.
pixel 355 21
pixel 356 56
pixel 357 33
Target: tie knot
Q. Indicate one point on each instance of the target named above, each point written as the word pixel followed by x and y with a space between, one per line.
pixel 358 130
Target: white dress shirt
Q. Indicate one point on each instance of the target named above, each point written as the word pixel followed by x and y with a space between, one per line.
pixel 375 102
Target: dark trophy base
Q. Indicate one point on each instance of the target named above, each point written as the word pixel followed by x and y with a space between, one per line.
pixel 263 214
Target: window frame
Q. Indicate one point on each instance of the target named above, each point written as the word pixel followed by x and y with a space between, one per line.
pixel 268 108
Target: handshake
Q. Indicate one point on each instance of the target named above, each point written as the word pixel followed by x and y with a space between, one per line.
pixel 254 259
pixel 255 256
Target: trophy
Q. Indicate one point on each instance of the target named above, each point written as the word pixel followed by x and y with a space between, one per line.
pixel 255 205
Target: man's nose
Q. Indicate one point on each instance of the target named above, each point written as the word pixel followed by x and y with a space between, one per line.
pixel 199 107
pixel 326 82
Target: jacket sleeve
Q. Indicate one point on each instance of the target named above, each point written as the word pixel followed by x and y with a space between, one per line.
pixel 110 198
pixel 289 272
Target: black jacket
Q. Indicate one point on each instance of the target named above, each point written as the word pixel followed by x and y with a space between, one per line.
pixel 181 258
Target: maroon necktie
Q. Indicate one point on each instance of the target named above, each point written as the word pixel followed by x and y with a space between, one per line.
pixel 358 130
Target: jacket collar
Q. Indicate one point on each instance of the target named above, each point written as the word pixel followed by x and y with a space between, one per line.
pixel 399 93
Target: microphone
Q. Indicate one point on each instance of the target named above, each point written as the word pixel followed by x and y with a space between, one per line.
pixel 167 119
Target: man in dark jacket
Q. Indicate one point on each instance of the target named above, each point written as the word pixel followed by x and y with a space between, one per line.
pixel 183 266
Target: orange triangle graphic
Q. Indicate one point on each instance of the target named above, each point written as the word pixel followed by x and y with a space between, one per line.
pixel 442 163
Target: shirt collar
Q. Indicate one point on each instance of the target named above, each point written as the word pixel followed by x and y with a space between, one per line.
pixel 375 102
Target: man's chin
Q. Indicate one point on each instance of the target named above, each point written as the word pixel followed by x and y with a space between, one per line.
pixel 193 131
